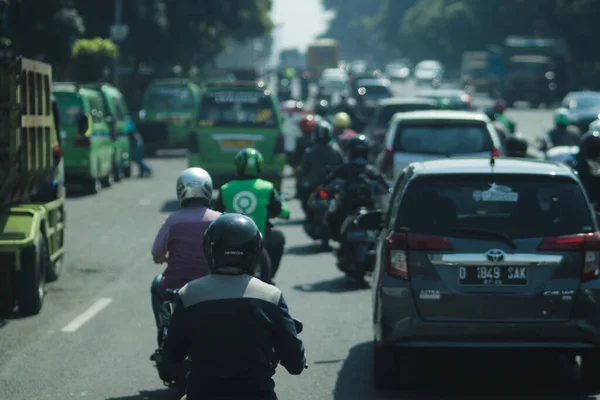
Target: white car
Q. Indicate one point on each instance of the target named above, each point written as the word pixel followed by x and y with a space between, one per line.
pixel 434 134
pixel 427 70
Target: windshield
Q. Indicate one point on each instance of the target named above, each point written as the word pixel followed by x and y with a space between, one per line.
pixel 528 68
pixel 242 108
pixel 520 207
pixel 375 91
pixel 583 102
pixel 69 107
pixel 169 98
pixel 443 139
pixel 388 112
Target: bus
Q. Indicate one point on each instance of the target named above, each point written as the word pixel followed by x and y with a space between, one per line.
pixel 322 54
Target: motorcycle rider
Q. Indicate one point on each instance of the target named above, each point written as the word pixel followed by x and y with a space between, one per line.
pixel 176 241
pixel 257 198
pixel 563 134
pixel 318 159
pixel 499 116
pixel 587 163
pixel 341 130
pixel 235 327
pixel 358 177
pixel 307 125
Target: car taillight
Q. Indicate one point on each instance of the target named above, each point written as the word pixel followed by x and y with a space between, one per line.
pixel 399 244
pixel 82 141
pixel 388 159
pixel 495 152
pixel 193 144
pixel 589 243
pixel 323 194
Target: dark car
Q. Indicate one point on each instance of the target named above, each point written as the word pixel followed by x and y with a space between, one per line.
pixel 368 95
pixel 388 107
pixel 487 255
pixel 448 99
pixel 584 108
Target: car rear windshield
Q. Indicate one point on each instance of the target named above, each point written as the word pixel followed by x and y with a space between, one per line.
pixel 443 138
pixel 388 112
pixel 376 90
pixel 69 107
pixel 232 108
pixel 169 98
pixel 517 206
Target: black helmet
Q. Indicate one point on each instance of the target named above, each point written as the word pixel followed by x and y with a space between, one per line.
pixel 590 145
pixel 323 132
pixel 232 245
pixel 358 147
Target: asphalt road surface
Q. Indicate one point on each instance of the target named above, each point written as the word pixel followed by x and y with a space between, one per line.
pixel 95 333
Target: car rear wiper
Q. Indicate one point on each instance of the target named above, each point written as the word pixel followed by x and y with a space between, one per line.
pixel 503 237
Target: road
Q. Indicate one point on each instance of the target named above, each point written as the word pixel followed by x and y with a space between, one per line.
pixel 95 333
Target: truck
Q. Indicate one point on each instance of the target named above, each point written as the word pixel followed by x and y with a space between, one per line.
pixel 243 59
pixel 292 58
pixel 482 71
pixel 320 55
pixel 32 204
pixel 537 69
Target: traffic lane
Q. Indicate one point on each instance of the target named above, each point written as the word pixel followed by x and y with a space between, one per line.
pixel 107 356
pixel 105 234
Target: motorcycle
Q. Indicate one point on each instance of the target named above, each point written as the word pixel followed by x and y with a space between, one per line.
pixel 316 209
pixel 358 237
pixel 359 232
pixel 175 376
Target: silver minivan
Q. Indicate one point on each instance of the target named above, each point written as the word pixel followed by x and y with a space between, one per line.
pixel 487 253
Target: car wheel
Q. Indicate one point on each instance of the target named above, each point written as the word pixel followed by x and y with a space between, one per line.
pixel 590 370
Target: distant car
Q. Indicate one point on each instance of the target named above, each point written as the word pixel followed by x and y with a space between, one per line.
pixel 449 99
pixel 369 93
pixel 484 255
pixel 429 135
pixel 397 71
pixel 584 108
pixel 426 71
pixel 333 80
pixel 386 109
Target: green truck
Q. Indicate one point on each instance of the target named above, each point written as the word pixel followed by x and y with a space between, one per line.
pixel 32 215
pixel 169 113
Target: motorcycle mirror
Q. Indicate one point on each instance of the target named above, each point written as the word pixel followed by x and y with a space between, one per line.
pixel 299 326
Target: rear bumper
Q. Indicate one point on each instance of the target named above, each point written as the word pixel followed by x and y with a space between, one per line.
pixel 397 323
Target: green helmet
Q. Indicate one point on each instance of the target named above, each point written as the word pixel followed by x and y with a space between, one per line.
pixel 248 162
pixel 561 117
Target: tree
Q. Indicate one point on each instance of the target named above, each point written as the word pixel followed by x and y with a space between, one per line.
pixel 44 30
pixel 92 58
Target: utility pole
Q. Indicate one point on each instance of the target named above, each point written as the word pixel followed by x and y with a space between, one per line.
pixel 118 33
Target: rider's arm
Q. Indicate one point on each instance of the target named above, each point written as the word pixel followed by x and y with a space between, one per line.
pixel 305 163
pixel 160 247
pixel 276 208
pixel 336 173
pixel 378 177
pixel 179 340
pixel 288 346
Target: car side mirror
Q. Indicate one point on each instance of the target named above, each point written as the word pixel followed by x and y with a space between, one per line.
pixel 83 124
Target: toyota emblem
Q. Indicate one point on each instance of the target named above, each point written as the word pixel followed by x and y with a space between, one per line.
pixel 495 255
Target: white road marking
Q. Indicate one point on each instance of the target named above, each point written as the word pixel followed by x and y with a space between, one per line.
pixel 87 315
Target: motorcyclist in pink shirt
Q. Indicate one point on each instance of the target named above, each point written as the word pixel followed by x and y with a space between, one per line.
pixel 179 239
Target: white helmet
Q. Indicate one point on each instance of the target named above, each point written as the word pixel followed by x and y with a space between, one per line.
pixel 194 183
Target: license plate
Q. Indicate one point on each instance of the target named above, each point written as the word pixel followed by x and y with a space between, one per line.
pixel 494 275
pixel 236 143
pixel 361 236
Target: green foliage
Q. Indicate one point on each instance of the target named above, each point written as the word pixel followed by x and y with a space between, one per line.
pixel 96 47
pixel 92 58
pixel 161 32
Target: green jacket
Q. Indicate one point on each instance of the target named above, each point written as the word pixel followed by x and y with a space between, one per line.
pixel 254 197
